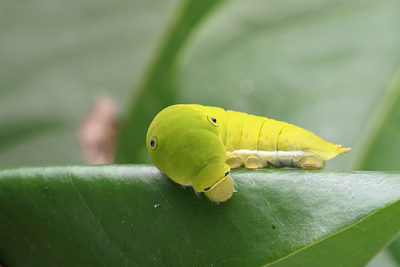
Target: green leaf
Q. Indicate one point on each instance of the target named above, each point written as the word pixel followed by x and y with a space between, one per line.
pixel 123 215
pixel 157 90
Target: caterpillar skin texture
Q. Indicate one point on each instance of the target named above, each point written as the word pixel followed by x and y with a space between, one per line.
pixel 197 146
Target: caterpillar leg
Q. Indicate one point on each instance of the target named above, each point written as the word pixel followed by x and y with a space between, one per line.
pixel 250 159
pixel 256 163
pixel 312 162
pixel 234 162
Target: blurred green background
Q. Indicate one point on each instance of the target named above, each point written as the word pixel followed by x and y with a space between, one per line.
pixel 331 67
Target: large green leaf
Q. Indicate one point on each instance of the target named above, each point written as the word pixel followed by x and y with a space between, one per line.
pixel 124 215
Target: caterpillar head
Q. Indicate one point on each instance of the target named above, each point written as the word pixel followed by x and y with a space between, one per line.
pixel 184 143
pixel 215 181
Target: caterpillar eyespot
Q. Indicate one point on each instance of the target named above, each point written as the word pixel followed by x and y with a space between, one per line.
pixel 154 143
pixel 203 156
pixel 212 120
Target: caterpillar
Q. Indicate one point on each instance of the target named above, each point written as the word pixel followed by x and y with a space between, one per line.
pixel 198 145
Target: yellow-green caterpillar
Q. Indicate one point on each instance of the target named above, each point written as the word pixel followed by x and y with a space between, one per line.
pixel 197 145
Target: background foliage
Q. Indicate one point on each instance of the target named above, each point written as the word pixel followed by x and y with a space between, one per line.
pixel 331 67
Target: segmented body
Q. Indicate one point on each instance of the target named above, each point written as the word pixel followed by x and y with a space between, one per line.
pixel 259 142
pixel 197 145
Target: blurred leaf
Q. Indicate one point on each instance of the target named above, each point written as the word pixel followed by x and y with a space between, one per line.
pixel 383 259
pixel 382 140
pixel 14 132
pixel 133 215
pixel 394 248
pixel 57 57
pixel 158 87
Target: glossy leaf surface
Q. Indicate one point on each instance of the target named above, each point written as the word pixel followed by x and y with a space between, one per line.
pixel 135 216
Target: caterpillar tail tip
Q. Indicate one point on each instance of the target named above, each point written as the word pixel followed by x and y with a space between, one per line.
pixel 342 149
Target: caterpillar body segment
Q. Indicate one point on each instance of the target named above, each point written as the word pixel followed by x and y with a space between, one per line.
pixel 197 145
pixel 283 145
pixel 259 142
